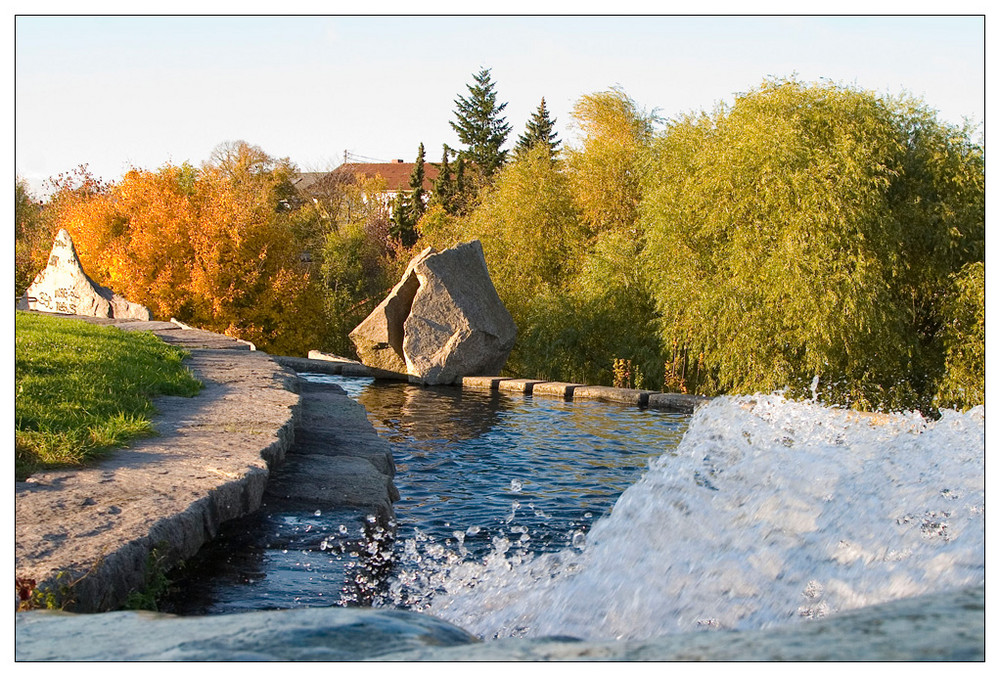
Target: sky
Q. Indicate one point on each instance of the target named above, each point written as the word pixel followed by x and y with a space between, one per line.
pixel 117 92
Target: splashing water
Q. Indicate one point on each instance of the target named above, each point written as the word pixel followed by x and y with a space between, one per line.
pixel 769 511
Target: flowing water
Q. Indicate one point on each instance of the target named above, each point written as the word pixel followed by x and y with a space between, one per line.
pixel 537 517
pixel 476 471
pixel 768 512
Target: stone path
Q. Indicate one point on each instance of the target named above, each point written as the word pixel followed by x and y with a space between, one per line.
pixel 88 534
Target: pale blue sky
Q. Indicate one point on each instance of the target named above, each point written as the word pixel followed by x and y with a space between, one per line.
pixel 115 92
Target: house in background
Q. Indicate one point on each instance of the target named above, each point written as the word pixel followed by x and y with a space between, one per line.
pixel 319 186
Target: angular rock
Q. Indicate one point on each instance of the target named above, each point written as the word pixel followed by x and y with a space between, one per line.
pixel 441 322
pixel 63 287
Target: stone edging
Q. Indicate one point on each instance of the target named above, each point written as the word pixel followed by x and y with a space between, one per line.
pixel 673 402
pixel 89 535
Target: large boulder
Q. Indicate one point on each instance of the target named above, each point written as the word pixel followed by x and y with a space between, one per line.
pixel 442 321
pixel 63 287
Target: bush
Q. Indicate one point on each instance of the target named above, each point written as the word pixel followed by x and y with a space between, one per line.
pixel 811 231
pixel 964 382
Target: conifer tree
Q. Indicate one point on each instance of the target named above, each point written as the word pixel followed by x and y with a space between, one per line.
pixel 480 126
pixel 444 185
pixel 417 187
pixel 402 226
pixel 539 130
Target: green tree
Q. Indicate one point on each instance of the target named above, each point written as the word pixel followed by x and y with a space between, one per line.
pixel 811 231
pixel 540 129
pixel 417 194
pixel 608 168
pixel 528 214
pixel 443 190
pixel 402 225
pixel 963 384
pixel 480 125
pixel 30 234
pixel 408 206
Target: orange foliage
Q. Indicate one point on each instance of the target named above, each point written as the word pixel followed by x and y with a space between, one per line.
pixel 212 247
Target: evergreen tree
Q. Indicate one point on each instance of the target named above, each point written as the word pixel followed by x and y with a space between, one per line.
pixel 460 195
pixel 444 185
pixel 480 126
pixel 539 130
pixel 402 227
pixel 417 192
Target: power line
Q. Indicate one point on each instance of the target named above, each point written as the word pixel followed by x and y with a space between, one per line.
pixel 354 157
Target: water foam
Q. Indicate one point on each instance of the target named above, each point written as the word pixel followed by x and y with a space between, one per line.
pixel 769 511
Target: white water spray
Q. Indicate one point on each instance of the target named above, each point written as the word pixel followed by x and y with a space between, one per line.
pixel 768 512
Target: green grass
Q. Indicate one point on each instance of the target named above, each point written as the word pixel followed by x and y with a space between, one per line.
pixel 82 389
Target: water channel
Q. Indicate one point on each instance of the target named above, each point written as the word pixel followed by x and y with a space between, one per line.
pixel 476 471
pixel 527 516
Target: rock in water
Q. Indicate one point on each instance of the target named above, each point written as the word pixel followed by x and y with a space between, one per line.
pixel 63 287
pixel 442 321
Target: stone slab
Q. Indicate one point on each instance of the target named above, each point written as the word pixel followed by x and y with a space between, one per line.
pixel 337 459
pixel 676 402
pixel 330 357
pixel 555 389
pixel 631 396
pixel 304 365
pixel 88 533
pixel 355 370
pixel 948 626
pixel 482 382
pixel 518 385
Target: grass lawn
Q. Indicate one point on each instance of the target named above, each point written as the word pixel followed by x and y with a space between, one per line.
pixel 81 389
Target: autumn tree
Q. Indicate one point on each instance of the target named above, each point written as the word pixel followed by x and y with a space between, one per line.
pixel 214 246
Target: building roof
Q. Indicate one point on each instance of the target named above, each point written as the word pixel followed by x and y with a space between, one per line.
pixel 304 181
pixel 396 174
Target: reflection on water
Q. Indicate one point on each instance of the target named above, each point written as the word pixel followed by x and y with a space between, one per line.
pixel 439 415
pixel 473 465
pixel 474 470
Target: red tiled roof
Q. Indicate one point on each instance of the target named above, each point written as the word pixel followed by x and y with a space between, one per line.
pixel 395 174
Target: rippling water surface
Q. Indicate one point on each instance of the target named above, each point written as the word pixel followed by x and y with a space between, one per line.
pixel 472 466
pixel 477 472
pixel 533 517
pixel 769 512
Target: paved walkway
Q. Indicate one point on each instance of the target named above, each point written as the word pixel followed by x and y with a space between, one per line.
pixel 88 534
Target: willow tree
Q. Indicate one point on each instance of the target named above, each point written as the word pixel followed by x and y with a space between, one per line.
pixel 805 238
pixel 607 167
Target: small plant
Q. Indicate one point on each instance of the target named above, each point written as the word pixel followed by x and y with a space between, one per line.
pixel 622 373
pixel 31 597
pixel 156 584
